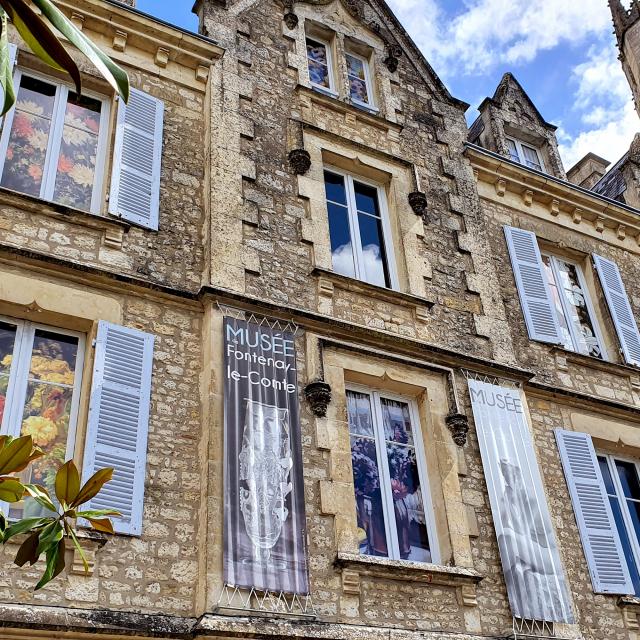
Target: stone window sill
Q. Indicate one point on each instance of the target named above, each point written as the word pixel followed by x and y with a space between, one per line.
pixel 113 228
pixel 373 291
pixel 407 571
pixel 365 114
pixel 608 366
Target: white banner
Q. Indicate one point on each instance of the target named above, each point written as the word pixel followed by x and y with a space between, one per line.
pixel 530 559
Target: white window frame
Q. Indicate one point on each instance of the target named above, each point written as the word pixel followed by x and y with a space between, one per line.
pixel 19 381
pixel 393 546
pixel 371 105
pixel 354 227
pixel 622 499
pixel 331 91
pixel 50 168
pixel 522 160
pixel 565 304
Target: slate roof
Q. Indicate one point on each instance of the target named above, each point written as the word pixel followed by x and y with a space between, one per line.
pixel 612 184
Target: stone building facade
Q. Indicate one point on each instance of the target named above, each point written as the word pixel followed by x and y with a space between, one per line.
pixel 302 163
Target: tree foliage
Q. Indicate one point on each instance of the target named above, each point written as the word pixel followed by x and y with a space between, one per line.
pixel 46 535
pixel 38 30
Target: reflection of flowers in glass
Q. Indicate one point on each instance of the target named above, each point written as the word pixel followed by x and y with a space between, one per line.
pixel 6 361
pixel 39 140
pixel 35 171
pixel 30 106
pixel 22 126
pixel 399 489
pixel 365 471
pixel 49 370
pixel 2 403
pixel 41 429
pixel 75 137
pixel 64 164
pixel 82 174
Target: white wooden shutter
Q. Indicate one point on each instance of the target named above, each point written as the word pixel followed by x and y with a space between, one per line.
pixel 13 54
pixel 620 309
pixel 135 181
pixel 533 288
pixel 598 531
pixel 119 421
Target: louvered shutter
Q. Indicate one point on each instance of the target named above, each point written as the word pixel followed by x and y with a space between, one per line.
pixel 119 420
pixel 532 284
pixel 13 54
pixel 620 309
pixel 135 181
pixel 600 539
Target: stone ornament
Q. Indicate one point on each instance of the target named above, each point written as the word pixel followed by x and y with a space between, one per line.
pixel 290 19
pixel 458 424
pixel 318 395
pixel 299 161
pixel 418 202
pixel 391 61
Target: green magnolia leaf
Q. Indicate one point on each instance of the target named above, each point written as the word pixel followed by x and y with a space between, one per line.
pixel 17 453
pixel 41 496
pixel 50 536
pixel 22 526
pixel 78 546
pixel 6 72
pixel 28 551
pixel 11 490
pixel 98 513
pixel 67 482
pixel 115 75
pixel 55 564
pixel 40 39
pixel 92 486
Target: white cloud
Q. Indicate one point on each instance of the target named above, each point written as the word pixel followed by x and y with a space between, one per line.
pixel 497 32
pixel 604 108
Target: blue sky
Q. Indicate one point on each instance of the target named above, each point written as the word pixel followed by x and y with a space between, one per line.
pixel 562 52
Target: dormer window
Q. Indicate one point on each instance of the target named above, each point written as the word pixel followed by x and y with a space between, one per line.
pixel 320 65
pixel 359 76
pixel 525 154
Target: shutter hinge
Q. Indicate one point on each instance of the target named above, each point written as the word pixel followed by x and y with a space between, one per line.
pixel 93 343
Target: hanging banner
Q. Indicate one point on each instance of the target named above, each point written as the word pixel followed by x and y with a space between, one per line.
pixel 530 559
pixel 264 517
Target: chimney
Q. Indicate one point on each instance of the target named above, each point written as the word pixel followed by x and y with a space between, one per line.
pixel 586 172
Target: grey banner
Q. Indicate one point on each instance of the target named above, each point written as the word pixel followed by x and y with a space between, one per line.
pixel 264 517
pixel 531 562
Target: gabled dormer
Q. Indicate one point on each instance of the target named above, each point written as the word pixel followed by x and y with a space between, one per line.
pixel 511 125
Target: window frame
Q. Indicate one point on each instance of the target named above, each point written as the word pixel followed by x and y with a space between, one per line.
pixel 354 227
pixel 54 143
pixel 19 377
pixel 371 105
pixel 522 159
pixel 633 537
pixel 331 90
pixel 391 531
pixel 565 308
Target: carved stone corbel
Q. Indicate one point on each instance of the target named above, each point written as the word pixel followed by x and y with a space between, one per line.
pixel 299 161
pixel 458 424
pixel 393 53
pixel 318 395
pixel 418 202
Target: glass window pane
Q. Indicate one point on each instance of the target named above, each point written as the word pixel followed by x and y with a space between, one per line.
pixel 565 334
pixel 576 299
pixel 408 506
pixel 359 414
pixel 318 63
pixel 606 475
pixel 29 137
pixel 366 198
pixel 373 251
pixel 396 421
pixel 626 544
pixel 628 479
pixel 334 187
pixel 47 410
pixel 355 66
pixel 342 257
pixel 7 345
pixel 369 510
pixel 77 161
pixel 513 150
pixel 531 157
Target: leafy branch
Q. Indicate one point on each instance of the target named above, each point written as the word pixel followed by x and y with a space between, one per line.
pixel 38 33
pixel 47 534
